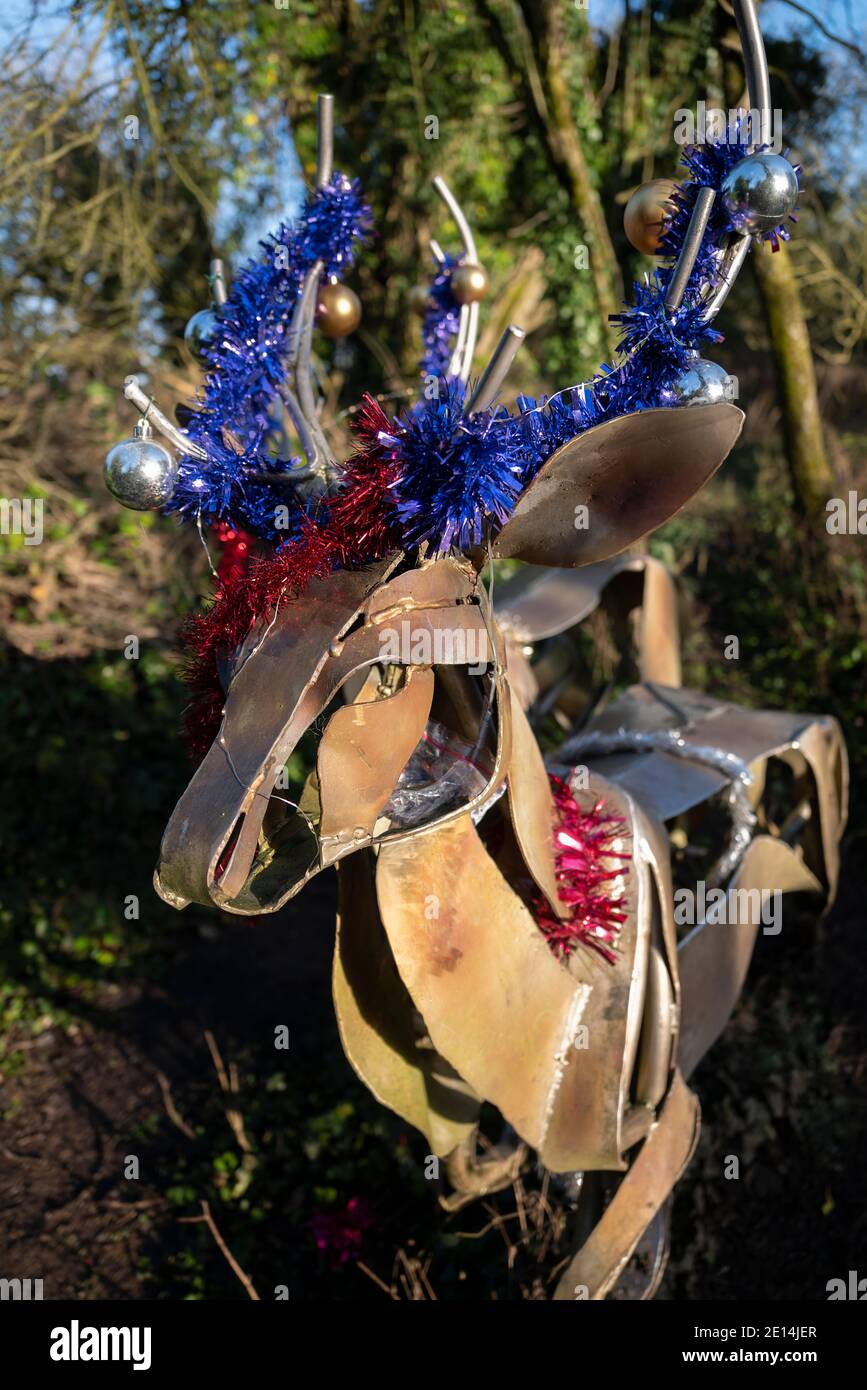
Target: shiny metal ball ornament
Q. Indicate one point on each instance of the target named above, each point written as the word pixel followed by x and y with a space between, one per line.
pixel 469 283
pixel 139 473
pixel 199 334
pixel 646 214
pixel 338 310
pixel 760 192
pixel 699 382
pixel 420 300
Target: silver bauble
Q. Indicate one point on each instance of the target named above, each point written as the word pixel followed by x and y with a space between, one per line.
pixel 200 332
pixel 760 192
pixel 139 473
pixel 699 382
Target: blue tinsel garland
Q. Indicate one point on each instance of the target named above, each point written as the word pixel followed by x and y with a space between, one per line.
pixel 654 346
pixel 455 472
pixel 441 320
pixel 247 365
pixel 455 475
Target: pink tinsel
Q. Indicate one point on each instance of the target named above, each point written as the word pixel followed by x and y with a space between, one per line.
pixel 585 865
pixel 339 1234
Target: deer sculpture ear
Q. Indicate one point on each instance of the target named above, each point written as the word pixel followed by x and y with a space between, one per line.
pixel 608 487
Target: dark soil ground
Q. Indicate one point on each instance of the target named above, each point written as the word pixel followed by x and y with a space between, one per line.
pixel 781 1091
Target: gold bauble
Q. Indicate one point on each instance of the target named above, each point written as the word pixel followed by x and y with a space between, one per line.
pixel 469 283
pixel 647 213
pixel 420 300
pixel 338 310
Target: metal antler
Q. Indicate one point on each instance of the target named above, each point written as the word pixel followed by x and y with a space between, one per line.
pixel 495 373
pixel 759 90
pixel 145 403
pixel 219 293
pixel 690 249
pixel 468 326
pixel 300 397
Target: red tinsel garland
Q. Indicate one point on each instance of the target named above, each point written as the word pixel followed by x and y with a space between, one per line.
pixel 236 552
pixel 582 851
pixel 358 526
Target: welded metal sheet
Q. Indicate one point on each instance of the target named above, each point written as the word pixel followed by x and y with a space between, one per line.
pixel 631 474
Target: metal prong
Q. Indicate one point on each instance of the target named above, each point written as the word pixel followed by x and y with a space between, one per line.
pixel 458 217
pixel 134 393
pixel 456 361
pixel 690 248
pixel 495 373
pixel 293 410
pixel 300 336
pixel 470 344
pixel 324 139
pixel 437 252
pixel 468 325
pixel 759 91
pixel 219 293
pixel 755 61
pixel 304 389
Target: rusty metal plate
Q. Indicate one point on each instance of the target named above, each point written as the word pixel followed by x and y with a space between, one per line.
pixel 655 1054
pixel 264 692
pixel 445 581
pixel 243 888
pixel 498 1005
pixel 539 603
pixel 531 807
pixel 362 753
pixel 715 957
pixel 379 1027
pixel 632 474
pixel 283 676
pixel 669 786
pixel 659 627
pixel 658 1165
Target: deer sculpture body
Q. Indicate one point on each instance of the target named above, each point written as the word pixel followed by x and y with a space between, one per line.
pixel 446 991
pixel 507 927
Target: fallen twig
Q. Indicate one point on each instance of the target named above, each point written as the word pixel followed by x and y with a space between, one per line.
pixel 211 1224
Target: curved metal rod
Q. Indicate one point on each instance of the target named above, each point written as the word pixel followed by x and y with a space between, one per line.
pixel 323 460
pixel 300 338
pixel 759 92
pixel 458 217
pixel 456 362
pixel 301 402
pixel 470 343
pixel 143 402
pixel 468 325
pixel 728 271
pixel 293 410
pixel 755 62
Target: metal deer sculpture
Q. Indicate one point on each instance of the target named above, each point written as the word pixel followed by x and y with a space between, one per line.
pixel 508 929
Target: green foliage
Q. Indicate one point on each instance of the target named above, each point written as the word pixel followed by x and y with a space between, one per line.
pixel 92 751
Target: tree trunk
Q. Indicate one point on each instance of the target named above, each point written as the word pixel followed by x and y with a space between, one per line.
pixel 532 37
pixel 564 140
pixel 811 473
pixel 809 469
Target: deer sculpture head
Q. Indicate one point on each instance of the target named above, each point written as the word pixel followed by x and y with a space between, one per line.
pixel 368 657
pixel 423 780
